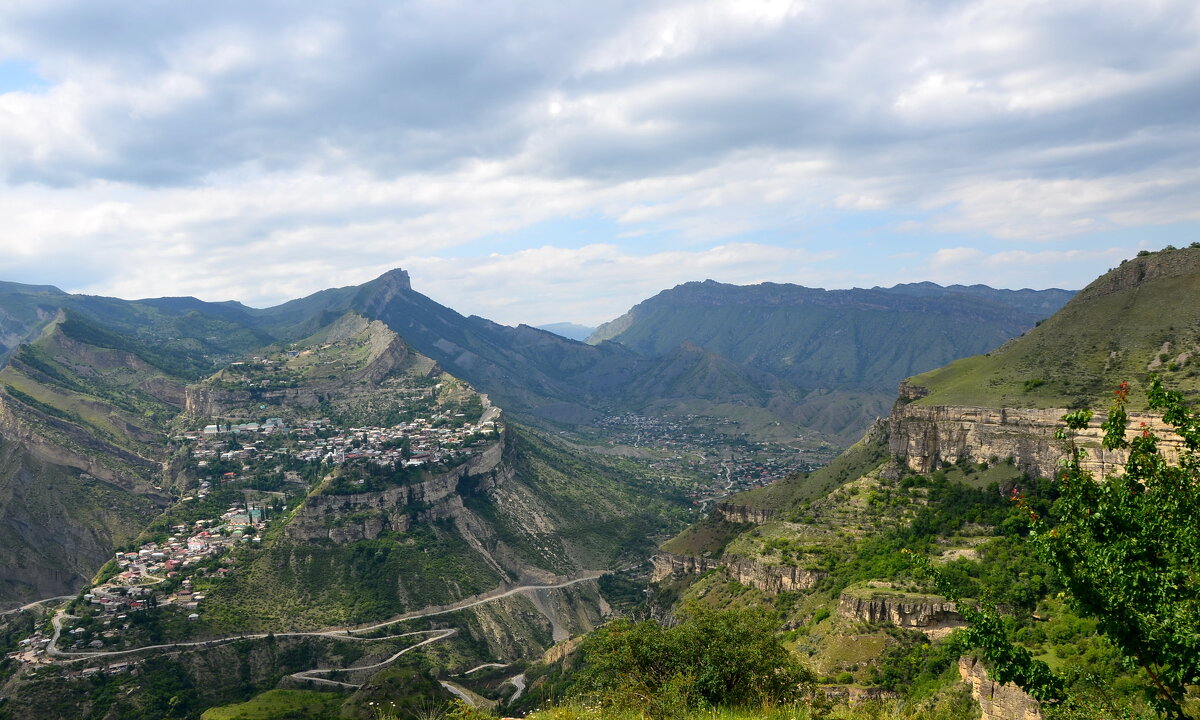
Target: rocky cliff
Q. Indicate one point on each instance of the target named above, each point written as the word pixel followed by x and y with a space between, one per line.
pixel 998 702
pixel 347 518
pixel 933 616
pixel 924 436
pixel 772 579
pixel 743 514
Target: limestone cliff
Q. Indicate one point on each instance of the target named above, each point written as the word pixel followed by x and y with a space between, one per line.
pixel 933 616
pixel 998 702
pixel 347 518
pixel 772 579
pixel 924 436
pixel 744 514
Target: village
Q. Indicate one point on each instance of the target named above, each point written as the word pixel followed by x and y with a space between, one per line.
pixel 439 438
pixel 711 463
pixel 226 510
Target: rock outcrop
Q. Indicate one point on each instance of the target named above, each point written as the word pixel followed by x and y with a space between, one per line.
pixel 743 514
pixel 772 579
pixel 924 436
pixel 854 695
pixel 928 615
pixel 998 702
pixel 347 518
pixel 667 564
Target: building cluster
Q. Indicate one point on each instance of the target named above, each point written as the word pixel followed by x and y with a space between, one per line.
pixel 437 438
pixel 135 588
pixel 696 450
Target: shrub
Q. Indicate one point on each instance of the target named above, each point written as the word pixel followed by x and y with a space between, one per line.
pixel 714 658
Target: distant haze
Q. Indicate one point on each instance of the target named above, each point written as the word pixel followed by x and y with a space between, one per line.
pixel 573 331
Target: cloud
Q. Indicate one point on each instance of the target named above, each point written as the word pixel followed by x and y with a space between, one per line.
pixel 258 151
pixel 952 257
pixel 1070 269
pixel 595 283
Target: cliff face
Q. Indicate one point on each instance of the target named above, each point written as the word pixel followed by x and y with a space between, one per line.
pixel 998 702
pixel 347 518
pixel 923 436
pixel 772 579
pixel 203 401
pixel 931 616
pixel 742 514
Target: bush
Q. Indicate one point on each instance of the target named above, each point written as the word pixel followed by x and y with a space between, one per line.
pixel 727 658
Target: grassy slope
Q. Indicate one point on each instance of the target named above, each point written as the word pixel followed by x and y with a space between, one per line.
pixel 55 527
pixel 1113 331
pixel 84 402
pixel 295 704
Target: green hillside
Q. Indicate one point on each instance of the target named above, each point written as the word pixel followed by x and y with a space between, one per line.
pixel 1141 317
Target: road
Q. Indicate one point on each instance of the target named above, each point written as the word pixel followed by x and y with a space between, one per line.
pixel 35 603
pixel 310 674
pixel 343 633
pixel 723 494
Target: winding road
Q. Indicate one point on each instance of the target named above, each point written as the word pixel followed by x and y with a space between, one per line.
pixel 35 603
pixel 341 633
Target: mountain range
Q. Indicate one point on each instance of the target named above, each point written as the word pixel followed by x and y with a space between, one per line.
pixel 126 425
pixel 91 383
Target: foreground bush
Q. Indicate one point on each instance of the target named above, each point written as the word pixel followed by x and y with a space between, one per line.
pixel 728 658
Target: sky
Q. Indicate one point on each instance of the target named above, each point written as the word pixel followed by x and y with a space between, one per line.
pixel 561 161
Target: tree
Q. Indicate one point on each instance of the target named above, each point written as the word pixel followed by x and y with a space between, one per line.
pixel 1127 550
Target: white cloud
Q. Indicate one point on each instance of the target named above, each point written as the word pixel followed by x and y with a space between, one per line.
pixel 1071 269
pixel 220 150
pixel 596 283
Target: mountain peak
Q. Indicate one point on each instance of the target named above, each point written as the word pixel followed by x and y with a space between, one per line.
pixel 377 294
pixel 395 279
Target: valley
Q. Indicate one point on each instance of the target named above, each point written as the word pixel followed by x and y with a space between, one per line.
pixel 341 505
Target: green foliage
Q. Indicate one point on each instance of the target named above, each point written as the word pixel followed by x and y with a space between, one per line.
pixel 1128 548
pixel 281 705
pixel 294 584
pixel 711 659
pixel 190 365
pixel 40 406
pixel 792 491
pixel 914 665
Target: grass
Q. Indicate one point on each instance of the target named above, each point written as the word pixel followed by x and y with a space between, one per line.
pixel 706 538
pixel 951 704
pixel 1116 330
pixel 294 704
